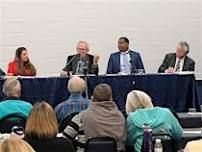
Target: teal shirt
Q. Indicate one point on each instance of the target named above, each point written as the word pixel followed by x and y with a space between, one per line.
pixel 159 119
pixel 14 106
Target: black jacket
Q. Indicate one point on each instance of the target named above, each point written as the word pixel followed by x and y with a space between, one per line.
pixel 169 61
pixel 51 145
pixel 71 65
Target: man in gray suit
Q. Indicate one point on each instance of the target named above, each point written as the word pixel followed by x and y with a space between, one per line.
pixel 179 61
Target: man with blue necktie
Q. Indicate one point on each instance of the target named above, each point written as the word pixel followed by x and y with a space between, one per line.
pixel 124 61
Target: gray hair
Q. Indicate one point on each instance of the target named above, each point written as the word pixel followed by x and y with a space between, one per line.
pixel 137 99
pixel 84 42
pixel 76 85
pixel 184 45
pixel 12 87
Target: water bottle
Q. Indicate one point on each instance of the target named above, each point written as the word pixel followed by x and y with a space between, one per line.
pixel 147 139
pixel 158 146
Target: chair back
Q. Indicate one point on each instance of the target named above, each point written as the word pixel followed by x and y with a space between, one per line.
pixel 66 121
pixel 167 141
pixel 7 122
pixel 101 144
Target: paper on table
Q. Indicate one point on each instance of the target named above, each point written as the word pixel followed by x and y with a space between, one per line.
pixel 184 72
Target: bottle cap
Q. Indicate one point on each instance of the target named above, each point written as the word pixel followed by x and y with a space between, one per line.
pixel 158 140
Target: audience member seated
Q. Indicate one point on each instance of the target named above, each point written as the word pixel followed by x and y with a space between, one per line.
pixel 76 102
pixel 21 64
pixel 42 128
pixel 102 118
pixel 15 145
pixel 141 112
pixel 12 103
pixel 193 146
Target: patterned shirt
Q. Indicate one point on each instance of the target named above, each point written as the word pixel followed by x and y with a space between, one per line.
pixel 75 103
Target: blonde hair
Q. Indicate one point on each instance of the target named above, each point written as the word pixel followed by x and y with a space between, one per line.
pixel 41 122
pixel 12 87
pixel 15 145
pixel 76 85
pixel 137 99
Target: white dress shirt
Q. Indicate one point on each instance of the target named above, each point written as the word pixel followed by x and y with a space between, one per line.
pixel 123 65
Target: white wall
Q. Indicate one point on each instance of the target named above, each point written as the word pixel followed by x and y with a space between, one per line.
pixel 51 29
pixel 1 34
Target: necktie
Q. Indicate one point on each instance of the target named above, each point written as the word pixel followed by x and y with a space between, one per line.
pixel 177 68
pixel 126 63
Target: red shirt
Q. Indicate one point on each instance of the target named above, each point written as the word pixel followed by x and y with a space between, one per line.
pixel 12 69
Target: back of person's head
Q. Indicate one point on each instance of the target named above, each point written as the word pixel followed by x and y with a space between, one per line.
pixel 42 122
pixel 137 99
pixel 15 145
pixel 12 87
pixel 76 85
pixel 102 92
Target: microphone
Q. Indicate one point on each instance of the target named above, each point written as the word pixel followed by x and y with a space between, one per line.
pixel 130 61
pixel 131 67
pixel 69 62
pixel 136 70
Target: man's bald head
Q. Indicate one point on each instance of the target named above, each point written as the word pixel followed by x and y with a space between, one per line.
pixel 76 85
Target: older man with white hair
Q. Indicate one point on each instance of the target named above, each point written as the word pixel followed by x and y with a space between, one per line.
pixel 82 62
pixel 76 102
pixel 179 61
pixel 12 103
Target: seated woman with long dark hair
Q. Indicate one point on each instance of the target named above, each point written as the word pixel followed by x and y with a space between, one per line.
pixel 21 64
pixel 42 128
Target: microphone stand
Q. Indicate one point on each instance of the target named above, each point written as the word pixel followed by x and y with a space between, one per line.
pixel 132 69
pixel 68 63
pixel 85 70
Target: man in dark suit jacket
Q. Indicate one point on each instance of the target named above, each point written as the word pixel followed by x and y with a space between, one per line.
pixel 116 62
pixel 81 63
pixel 179 61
